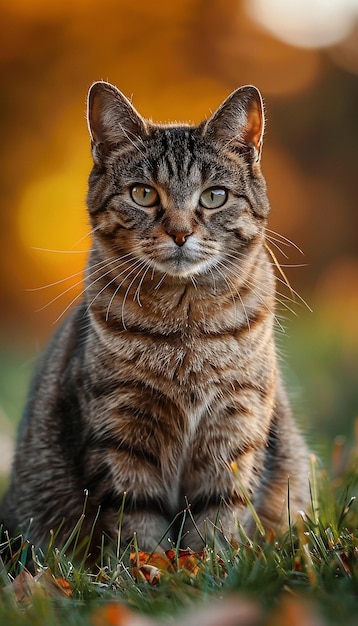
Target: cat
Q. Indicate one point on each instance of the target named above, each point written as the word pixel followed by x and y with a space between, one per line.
pixel 161 391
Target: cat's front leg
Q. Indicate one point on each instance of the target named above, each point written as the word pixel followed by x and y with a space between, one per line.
pixel 149 529
pixel 214 526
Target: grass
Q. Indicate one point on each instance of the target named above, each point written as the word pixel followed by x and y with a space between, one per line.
pixel 308 576
pixel 313 568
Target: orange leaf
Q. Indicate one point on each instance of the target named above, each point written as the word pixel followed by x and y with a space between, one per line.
pixel 54 587
pixel 65 586
pixel 149 565
pixel 158 559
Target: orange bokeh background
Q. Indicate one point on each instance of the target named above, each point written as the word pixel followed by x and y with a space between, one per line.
pixel 178 60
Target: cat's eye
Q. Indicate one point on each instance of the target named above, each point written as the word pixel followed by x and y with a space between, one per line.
pixel 144 195
pixel 213 198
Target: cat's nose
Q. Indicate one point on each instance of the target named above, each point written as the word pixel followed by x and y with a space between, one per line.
pixel 179 236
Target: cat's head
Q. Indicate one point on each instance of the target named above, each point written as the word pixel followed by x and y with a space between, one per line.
pixel 179 197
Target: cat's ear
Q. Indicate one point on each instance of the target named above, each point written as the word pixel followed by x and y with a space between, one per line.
pixel 111 118
pixel 239 122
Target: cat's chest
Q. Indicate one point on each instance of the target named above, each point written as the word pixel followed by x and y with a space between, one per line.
pixel 158 392
pixel 186 360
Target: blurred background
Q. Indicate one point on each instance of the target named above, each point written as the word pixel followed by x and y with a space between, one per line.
pixel 179 60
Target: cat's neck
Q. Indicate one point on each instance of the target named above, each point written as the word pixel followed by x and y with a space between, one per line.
pixel 136 299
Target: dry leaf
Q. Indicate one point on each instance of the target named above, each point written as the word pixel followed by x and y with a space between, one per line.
pixel 149 566
pixel 148 573
pixel 54 587
pixel 25 586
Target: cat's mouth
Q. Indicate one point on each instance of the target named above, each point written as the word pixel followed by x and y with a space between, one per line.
pixel 182 261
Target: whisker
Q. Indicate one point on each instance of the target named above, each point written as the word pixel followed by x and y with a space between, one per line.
pixel 113 280
pixel 106 264
pixel 272 242
pixel 160 282
pixel 193 282
pixel 63 280
pixel 237 292
pixel 137 291
pixel 135 265
pixel 280 280
pixel 144 263
pixel 285 240
pixel 285 280
pixel 82 292
pixel 255 284
pixel 88 234
pixel 253 288
pixel 59 251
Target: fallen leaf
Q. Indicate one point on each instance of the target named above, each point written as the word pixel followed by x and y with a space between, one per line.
pixel 25 586
pixel 148 573
pixel 54 587
pixel 150 565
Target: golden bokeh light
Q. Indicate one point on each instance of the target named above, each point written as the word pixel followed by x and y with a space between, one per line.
pixel 177 61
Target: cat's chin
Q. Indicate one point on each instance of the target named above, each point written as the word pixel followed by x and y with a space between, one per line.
pixel 183 269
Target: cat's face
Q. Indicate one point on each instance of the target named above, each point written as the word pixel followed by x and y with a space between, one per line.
pixel 179 198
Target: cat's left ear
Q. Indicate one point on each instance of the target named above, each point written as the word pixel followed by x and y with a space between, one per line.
pixel 239 122
pixel 111 118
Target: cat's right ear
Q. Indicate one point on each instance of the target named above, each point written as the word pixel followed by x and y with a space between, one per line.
pixel 111 118
pixel 239 123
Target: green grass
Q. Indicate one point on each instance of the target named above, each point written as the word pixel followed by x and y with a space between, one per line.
pixel 314 565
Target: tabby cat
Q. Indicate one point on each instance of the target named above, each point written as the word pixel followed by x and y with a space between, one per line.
pixel 165 377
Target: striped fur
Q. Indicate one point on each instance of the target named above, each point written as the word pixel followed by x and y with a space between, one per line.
pixel 166 373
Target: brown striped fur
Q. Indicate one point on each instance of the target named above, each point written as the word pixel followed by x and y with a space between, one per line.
pixel 167 372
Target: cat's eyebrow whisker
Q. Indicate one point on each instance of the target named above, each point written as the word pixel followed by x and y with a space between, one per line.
pixel 235 139
pixel 126 134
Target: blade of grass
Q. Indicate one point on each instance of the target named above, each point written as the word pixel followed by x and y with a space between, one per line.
pixel 244 492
